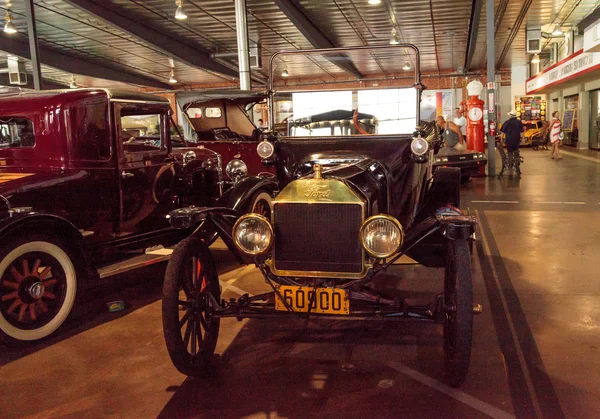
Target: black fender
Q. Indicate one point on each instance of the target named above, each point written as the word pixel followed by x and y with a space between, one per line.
pixel 444 189
pixel 32 221
pixel 239 195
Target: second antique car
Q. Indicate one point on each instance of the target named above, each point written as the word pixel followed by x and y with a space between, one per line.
pixel 349 206
pixel 87 180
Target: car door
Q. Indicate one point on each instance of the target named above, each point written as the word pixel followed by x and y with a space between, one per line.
pixel 146 172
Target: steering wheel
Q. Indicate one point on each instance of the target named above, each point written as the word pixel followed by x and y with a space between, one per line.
pixel 357 123
pixel 222 133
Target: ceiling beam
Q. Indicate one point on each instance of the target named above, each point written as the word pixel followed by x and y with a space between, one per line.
pixel 473 32
pixel 46 85
pixel 591 18
pixel 19 46
pixel 314 35
pixel 169 43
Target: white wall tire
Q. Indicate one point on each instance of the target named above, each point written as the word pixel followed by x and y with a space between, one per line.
pixel 65 281
pixel 260 202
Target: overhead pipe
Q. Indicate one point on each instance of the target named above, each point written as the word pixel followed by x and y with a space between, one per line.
pixel 241 28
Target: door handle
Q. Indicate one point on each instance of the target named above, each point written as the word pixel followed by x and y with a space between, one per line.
pixel 126 175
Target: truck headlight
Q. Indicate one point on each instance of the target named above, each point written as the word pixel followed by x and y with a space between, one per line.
pixel 419 146
pixel 265 149
pixel 253 234
pixel 236 170
pixel 381 235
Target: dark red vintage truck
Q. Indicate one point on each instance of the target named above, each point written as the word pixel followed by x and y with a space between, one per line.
pixel 87 180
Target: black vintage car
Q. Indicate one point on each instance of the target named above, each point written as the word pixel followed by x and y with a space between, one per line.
pixel 373 198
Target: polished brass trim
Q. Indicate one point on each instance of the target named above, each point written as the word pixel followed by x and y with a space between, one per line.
pixel 319 274
pixel 381 217
pixel 318 171
pixel 260 217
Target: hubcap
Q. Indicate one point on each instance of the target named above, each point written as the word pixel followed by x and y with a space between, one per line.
pixel 36 290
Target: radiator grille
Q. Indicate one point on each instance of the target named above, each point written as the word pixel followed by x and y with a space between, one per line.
pixel 318 237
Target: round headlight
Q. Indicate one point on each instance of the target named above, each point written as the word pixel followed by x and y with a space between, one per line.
pixel 253 234
pixel 236 170
pixel 265 149
pixel 189 156
pixel 419 146
pixel 381 235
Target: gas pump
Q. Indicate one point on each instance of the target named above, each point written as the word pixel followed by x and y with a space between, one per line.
pixel 475 131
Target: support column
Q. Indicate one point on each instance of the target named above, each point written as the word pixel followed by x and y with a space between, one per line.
pixel 241 28
pixel 491 64
pixel 33 45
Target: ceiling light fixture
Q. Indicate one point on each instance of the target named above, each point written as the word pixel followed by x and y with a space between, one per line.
pixel 406 66
pixel 374 1
pixel 180 13
pixel 557 31
pixel 9 27
pixel 172 80
pixel 285 73
pixel 535 59
pixel 394 39
pixel 73 84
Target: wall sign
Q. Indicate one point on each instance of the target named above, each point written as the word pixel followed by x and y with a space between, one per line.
pixel 577 64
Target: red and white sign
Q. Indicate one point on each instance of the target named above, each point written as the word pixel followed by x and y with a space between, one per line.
pixel 575 65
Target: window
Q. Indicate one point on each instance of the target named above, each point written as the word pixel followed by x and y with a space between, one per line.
pixel 89 128
pixel 194 113
pixel 16 132
pixel 141 132
pixel 212 112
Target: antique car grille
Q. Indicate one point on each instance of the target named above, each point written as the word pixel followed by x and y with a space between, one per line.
pixel 321 237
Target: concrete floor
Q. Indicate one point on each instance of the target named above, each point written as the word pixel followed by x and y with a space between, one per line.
pixel 535 347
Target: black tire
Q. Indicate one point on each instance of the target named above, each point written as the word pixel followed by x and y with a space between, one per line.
pixel 192 349
pixel 38 286
pixel 458 325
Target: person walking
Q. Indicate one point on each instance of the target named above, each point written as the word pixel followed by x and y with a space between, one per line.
pixel 513 131
pixel 554 133
pixel 453 138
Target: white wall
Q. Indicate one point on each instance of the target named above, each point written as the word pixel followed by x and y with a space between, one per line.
pixel 518 79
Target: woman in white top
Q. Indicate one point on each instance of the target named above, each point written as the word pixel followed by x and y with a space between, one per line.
pixel 554 132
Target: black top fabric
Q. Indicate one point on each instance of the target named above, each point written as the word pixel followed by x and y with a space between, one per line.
pixel 513 129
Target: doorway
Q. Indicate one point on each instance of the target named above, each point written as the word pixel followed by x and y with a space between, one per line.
pixel 595 120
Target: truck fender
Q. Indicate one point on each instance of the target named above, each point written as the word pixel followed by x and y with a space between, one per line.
pixel 239 195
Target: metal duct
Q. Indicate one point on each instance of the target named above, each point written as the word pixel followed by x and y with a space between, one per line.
pixel 241 28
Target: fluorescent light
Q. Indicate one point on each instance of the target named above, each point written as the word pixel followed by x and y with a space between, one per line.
pixel 374 1
pixel 180 13
pixel 285 73
pixel 172 80
pixel 535 59
pixel 73 84
pixel 9 27
pixel 394 39
pixel 406 66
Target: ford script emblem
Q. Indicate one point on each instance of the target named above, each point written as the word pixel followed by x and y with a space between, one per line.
pixel 318 192
pixel 37 290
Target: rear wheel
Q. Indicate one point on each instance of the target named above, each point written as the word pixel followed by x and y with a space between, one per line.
pixel 38 284
pixel 458 299
pixel 191 294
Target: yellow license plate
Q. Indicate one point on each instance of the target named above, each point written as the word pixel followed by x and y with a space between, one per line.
pixel 324 300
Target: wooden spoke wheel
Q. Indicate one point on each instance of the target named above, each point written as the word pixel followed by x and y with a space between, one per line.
pixel 458 300
pixel 38 283
pixel 191 294
pixel 262 204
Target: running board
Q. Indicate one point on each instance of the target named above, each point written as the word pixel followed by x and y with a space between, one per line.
pixel 150 258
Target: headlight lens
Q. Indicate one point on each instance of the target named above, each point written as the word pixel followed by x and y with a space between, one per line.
pixel 265 149
pixel 381 235
pixel 189 156
pixel 419 146
pixel 253 234
pixel 236 170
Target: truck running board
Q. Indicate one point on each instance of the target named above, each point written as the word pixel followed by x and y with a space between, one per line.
pixel 151 257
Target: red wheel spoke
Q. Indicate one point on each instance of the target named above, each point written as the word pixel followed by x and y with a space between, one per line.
pixel 36 266
pixel 49 282
pixel 14 305
pixel 25 265
pixel 45 272
pixel 43 306
pixel 10 296
pixel 22 312
pixel 16 274
pixel 12 285
pixel 32 312
pixel 49 295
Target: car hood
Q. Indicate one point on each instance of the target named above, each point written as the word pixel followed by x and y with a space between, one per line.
pixel 13 182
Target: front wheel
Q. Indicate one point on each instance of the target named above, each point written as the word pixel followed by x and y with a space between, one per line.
pixel 38 284
pixel 191 293
pixel 458 301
